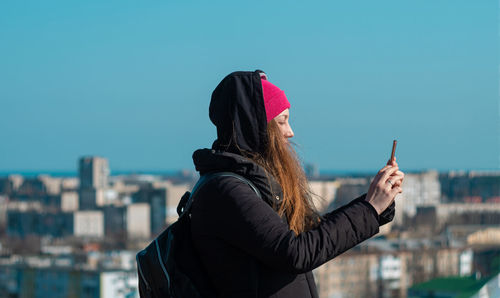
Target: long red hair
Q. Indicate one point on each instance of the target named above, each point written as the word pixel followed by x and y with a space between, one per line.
pixel 281 161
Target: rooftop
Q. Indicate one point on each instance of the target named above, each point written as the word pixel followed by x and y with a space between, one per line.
pixel 460 286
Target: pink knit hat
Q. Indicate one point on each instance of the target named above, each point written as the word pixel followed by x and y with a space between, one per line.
pixel 275 100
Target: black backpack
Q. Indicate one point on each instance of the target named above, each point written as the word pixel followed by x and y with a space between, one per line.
pixel 170 266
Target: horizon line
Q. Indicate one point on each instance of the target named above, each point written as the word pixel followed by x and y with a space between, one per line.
pixel 58 172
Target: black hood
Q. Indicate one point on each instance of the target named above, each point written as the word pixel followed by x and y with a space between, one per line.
pixel 237 110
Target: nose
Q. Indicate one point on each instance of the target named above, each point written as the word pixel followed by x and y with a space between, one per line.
pixel 289 132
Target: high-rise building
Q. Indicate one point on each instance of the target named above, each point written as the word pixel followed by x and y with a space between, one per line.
pixel 88 223
pixel 93 172
pixel 421 189
pixel 139 221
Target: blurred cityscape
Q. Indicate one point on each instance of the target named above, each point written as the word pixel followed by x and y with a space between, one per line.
pixel 63 236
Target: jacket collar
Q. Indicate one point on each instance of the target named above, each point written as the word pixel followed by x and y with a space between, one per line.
pixel 210 160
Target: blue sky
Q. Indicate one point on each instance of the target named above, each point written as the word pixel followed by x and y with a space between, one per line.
pixel 132 81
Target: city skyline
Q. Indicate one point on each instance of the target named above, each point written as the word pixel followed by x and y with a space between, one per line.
pixel 133 82
pixel 87 230
pixel 175 171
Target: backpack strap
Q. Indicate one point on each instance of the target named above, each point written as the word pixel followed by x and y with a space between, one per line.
pixel 185 206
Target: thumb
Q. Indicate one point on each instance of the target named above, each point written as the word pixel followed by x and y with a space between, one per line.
pixel 392 162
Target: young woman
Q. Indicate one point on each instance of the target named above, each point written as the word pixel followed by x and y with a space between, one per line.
pixel 252 247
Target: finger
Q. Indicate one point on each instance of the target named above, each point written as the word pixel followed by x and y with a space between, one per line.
pixel 379 175
pixel 384 176
pixel 384 168
pixel 389 167
pixel 379 179
pixel 392 162
pixel 396 190
pixel 395 181
pixel 387 172
pixel 390 183
pixel 397 176
pixel 398 183
pixel 398 172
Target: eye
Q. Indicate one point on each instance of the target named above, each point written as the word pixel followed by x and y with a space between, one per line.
pixel 281 120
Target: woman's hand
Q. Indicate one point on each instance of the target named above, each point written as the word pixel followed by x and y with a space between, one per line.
pixel 385 186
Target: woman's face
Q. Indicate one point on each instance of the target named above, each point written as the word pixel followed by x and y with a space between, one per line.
pixel 282 120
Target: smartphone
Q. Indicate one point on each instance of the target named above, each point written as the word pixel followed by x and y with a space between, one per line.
pixel 394 143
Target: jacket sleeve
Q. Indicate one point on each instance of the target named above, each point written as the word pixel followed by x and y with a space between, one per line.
pixel 241 219
pixel 386 216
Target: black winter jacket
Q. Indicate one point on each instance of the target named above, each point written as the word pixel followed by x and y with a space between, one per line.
pixel 245 247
